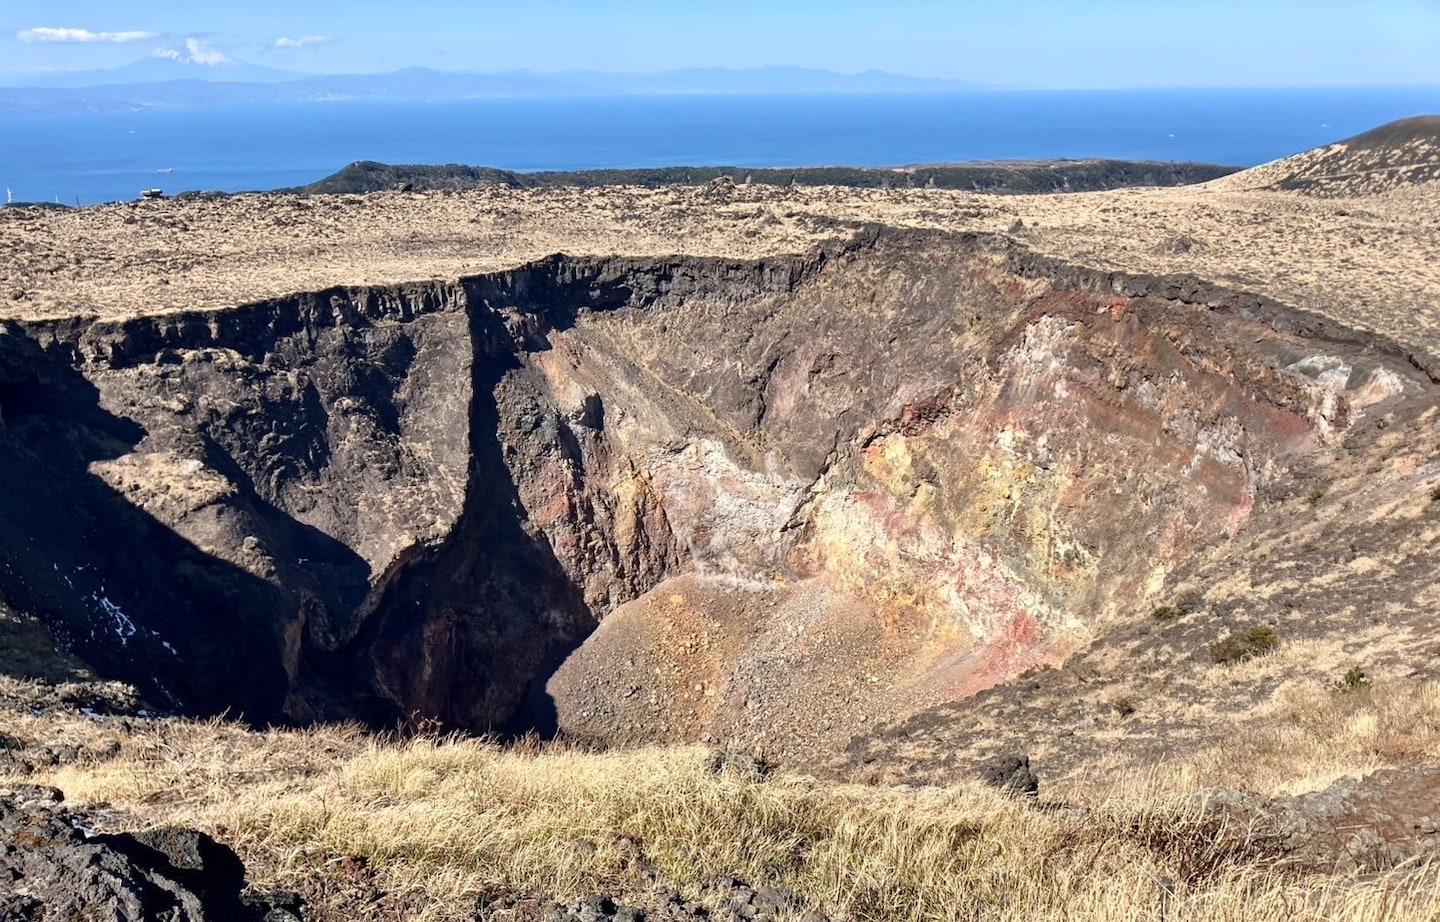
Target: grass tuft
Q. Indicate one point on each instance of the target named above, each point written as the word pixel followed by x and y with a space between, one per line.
pixel 1237 648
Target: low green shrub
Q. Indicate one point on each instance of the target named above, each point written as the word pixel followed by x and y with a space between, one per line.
pixel 1355 680
pixel 1237 648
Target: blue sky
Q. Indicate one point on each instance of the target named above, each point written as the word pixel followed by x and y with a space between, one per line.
pixel 1019 43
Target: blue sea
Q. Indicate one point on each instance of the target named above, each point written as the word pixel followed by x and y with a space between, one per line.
pixel 93 158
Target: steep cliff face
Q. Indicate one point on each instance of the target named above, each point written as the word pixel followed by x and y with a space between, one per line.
pixel 796 496
pixel 972 460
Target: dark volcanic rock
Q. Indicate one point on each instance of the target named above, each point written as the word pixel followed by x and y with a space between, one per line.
pixel 724 899
pixel 1011 774
pixel 52 870
pixel 1357 825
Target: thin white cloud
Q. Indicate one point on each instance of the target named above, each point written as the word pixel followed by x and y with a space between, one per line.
pixel 195 52
pixel 204 53
pixel 305 41
pixel 47 34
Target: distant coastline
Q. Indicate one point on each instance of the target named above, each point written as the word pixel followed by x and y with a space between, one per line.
pixel 996 177
pixel 1001 177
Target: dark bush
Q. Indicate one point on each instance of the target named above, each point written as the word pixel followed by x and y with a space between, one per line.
pixel 1237 648
pixel 1355 680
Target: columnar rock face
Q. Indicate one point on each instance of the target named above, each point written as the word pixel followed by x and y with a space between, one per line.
pixel 796 496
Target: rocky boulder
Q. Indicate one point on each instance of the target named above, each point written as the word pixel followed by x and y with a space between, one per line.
pixel 1357 825
pixel 53 868
pixel 1011 774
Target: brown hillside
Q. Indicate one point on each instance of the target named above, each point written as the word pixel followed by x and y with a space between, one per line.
pixel 1402 153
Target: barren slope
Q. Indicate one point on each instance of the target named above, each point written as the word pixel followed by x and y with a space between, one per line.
pixel 1337 560
pixel 1371 264
pixel 1403 153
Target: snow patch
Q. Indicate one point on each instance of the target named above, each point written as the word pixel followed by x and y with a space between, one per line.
pixel 124 627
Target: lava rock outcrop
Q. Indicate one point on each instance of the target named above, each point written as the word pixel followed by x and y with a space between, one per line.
pixel 53 868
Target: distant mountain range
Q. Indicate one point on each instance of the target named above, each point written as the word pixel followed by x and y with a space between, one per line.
pixel 179 80
pixel 154 70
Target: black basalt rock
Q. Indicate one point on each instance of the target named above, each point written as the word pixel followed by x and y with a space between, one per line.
pixel 53 868
pixel 1010 773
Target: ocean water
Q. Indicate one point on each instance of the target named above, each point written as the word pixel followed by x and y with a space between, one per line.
pixel 112 156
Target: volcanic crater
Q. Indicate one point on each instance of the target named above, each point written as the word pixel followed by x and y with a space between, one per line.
pixel 771 502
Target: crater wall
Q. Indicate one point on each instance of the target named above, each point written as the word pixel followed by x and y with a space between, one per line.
pixel 770 502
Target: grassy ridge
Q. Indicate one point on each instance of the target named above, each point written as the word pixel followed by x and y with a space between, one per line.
pixel 439 825
pixel 999 177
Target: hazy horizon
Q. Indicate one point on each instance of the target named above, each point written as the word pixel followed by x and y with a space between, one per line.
pixel 1029 44
pixel 958 82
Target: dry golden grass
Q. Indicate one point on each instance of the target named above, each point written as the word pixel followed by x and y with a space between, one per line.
pixel 1311 735
pixel 1396 155
pixel 127 260
pixel 1373 262
pixel 446 822
pixel 1307 735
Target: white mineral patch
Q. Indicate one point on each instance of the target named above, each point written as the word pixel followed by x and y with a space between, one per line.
pixel 1327 370
pixel 124 627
